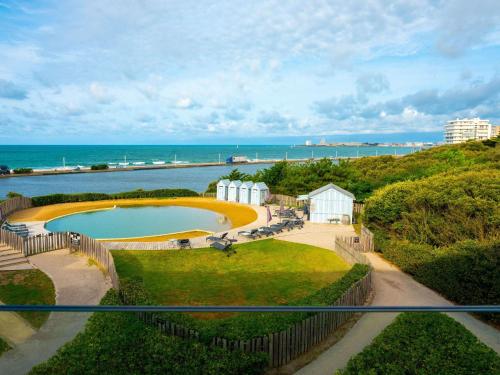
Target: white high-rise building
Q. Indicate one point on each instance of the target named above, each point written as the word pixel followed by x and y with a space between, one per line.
pixel 461 130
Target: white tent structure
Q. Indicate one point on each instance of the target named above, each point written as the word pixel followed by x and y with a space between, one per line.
pixel 331 204
pixel 246 192
pixel 222 190
pixel 233 194
pixel 260 193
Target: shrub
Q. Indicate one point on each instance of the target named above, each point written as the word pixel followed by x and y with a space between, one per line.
pixel 439 210
pixel 425 343
pixel 13 194
pixel 248 325
pixel 23 170
pixel 85 197
pixel 119 343
pixel 99 167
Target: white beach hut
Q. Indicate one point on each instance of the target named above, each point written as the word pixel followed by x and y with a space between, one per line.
pixel 246 192
pixel 260 193
pixel 222 190
pixel 233 194
pixel 331 204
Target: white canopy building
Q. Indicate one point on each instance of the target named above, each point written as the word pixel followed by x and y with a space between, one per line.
pixel 246 192
pixel 222 190
pixel 233 194
pixel 331 204
pixel 260 193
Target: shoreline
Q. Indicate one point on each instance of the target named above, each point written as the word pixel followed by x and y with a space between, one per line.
pixel 48 172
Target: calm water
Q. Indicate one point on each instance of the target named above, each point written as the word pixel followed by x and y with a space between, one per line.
pixel 196 179
pixel 39 157
pixel 122 222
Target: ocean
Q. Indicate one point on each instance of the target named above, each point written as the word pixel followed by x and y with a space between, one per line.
pixel 47 157
pixel 196 178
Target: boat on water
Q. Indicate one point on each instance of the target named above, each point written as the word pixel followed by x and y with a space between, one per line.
pixel 236 159
pixel 175 161
pixel 158 162
pixel 139 163
pixel 66 167
pixel 125 163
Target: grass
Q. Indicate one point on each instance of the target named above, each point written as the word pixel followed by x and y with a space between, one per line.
pixel 268 272
pixel 426 344
pixel 119 343
pixel 3 346
pixel 27 287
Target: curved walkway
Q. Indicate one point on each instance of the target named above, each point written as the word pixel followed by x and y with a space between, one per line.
pixel 392 287
pixel 76 283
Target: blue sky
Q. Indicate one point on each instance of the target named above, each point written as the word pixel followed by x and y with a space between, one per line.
pixel 94 71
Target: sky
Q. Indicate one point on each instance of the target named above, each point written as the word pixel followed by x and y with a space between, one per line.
pixel 174 72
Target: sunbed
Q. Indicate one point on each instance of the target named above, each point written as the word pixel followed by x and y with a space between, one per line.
pixel 254 233
pixel 266 231
pixel 215 238
pixel 224 246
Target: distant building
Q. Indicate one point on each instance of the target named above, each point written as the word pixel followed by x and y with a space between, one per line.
pixel 461 130
pixel 495 131
pixel 308 143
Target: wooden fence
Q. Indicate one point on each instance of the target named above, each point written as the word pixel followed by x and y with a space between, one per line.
pixel 363 243
pixel 357 207
pixel 11 239
pixel 12 205
pixel 287 200
pixel 59 240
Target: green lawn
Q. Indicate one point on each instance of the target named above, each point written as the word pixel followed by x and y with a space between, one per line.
pixel 27 287
pixel 267 272
pixel 425 344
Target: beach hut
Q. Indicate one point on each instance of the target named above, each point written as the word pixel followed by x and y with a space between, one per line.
pixel 233 194
pixel 260 193
pixel 331 204
pixel 246 192
pixel 222 190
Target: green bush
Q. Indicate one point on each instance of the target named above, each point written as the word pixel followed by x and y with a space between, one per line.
pixel 85 197
pixel 439 210
pixel 23 170
pixel 3 346
pixel 99 167
pixel 13 194
pixel 467 273
pixel 425 344
pixel 248 325
pixel 119 343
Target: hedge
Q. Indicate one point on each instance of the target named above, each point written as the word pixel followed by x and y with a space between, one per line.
pixel 467 272
pixel 439 210
pixel 99 167
pixel 45 200
pixel 247 325
pixel 425 344
pixel 119 343
pixel 23 170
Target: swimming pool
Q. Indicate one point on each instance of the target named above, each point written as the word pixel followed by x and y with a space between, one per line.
pixel 139 221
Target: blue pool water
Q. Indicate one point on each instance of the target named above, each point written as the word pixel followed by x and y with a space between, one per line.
pixel 124 222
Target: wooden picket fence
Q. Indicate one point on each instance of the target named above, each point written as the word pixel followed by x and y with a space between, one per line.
pixel 286 200
pixel 12 205
pixel 358 207
pixel 363 243
pixel 11 239
pixel 61 240
pixel 43 243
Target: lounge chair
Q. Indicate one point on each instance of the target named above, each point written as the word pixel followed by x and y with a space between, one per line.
pixel 215 238
pixel 184 244
pixel 253 234
pixel 278 227
pixel 19 231
pixel 8 226
pixel 224 247
pixel 266 231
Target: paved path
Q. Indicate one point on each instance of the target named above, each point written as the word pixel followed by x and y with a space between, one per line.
pixel 392 287
pixel 14 328
pixel 76 283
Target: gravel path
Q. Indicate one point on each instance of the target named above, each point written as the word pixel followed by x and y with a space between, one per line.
pixel 76 283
